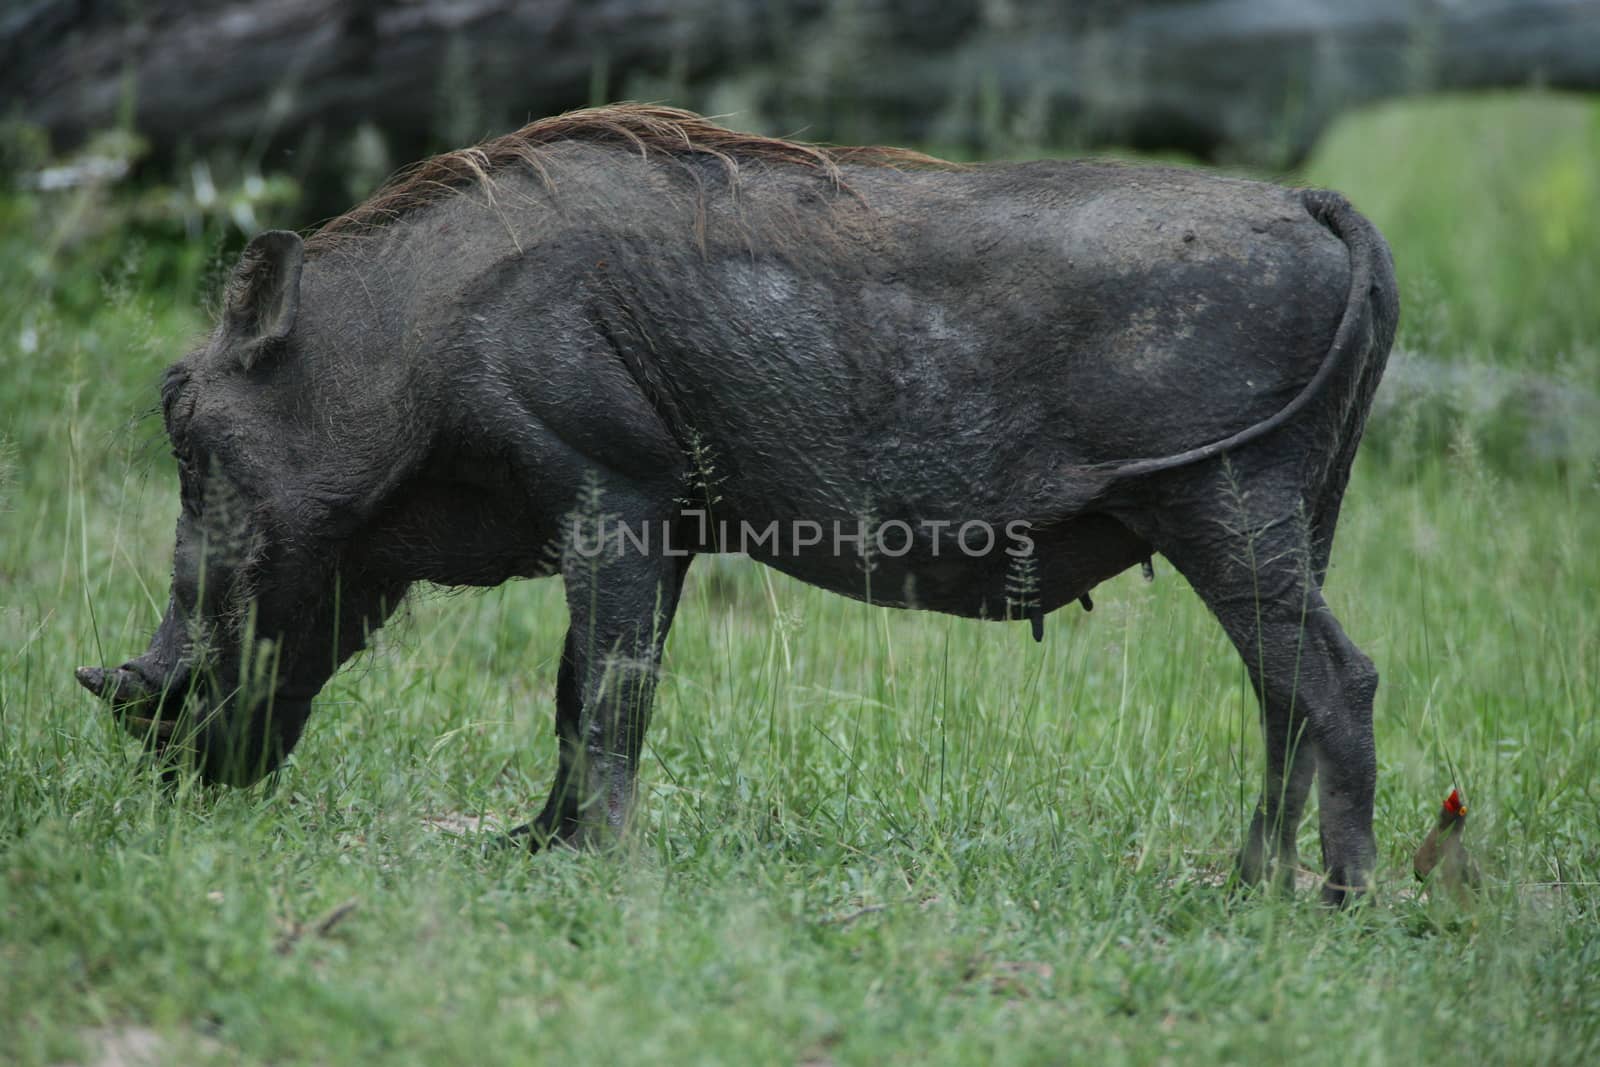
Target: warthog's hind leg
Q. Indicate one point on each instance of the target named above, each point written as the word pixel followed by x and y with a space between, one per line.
pixel 1245 551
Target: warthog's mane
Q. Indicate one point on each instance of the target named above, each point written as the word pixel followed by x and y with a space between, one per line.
pixel 647 130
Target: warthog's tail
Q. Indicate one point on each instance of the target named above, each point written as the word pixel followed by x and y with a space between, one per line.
pixel 1367 249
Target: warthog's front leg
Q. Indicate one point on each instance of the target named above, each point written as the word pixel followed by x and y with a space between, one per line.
pixel 621 601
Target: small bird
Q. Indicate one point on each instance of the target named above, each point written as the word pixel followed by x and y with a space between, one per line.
pixel 1443 857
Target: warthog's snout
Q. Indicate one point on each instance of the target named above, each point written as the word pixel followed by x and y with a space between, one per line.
pixel 136 700
pixel 234 742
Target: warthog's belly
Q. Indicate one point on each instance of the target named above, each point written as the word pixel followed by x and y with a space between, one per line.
pixel 1007 571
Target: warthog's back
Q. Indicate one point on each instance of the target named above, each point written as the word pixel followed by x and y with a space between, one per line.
pixel 959 338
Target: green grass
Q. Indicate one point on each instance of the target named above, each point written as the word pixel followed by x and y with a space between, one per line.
pixel 865 835
pixel 1489 203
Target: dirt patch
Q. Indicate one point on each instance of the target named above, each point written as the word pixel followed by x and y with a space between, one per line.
pixel 140 1046
pixel 462 824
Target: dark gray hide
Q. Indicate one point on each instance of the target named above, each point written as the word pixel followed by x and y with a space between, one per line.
pixel 1129 360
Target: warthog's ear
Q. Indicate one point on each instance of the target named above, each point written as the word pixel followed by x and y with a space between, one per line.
pixel 264 293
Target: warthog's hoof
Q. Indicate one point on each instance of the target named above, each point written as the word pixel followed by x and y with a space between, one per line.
pixel 532 837
pixel 1340 891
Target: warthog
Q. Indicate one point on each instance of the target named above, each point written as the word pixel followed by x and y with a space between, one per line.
pixel 622 337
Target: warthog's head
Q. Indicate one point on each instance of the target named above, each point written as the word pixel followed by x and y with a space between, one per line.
pixel 267 597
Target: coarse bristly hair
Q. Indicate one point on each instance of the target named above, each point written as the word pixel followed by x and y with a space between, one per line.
pixel 647 129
